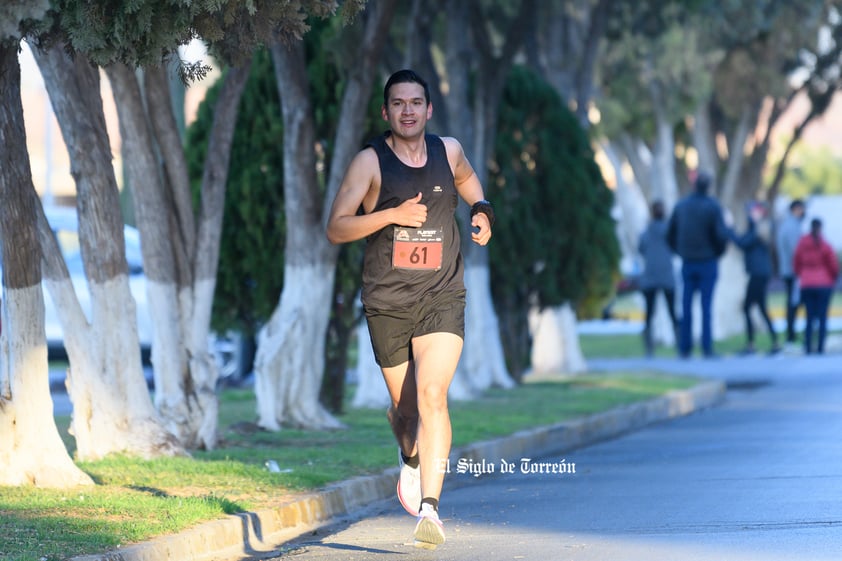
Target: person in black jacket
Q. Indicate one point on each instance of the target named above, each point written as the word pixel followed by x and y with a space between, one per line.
pixel 697 233
pixel 755 243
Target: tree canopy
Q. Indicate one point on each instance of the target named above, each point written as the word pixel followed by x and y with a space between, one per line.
pixel 146 32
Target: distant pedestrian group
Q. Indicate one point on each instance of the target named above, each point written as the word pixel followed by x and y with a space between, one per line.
pixel 697 233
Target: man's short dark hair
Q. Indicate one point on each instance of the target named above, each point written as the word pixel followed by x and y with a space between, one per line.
pixel 403 77
pixel 797 203
pixel 703 181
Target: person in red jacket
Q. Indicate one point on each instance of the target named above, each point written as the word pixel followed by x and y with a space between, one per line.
pixel 817 268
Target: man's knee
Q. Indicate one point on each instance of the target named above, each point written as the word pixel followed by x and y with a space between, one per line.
pixel 432 397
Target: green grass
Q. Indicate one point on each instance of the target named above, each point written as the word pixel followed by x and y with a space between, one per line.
pixel 135 500
pixel 631 345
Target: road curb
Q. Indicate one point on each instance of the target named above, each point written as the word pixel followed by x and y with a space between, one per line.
pixel 258 534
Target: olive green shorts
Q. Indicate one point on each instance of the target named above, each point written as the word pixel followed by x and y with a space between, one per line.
pixel 392 331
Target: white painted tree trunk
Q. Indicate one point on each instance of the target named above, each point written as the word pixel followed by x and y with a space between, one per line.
pixel 289 364
pixel 555 342
pixel 112 408
pixel 728 296
pixel 632 211
pixel 482 364
pixel 102 421
pixel 180 356
pixel 474 115
pixel 31 450
pixel 371 388
pixel 180 250
pixel 665 186
pixel 663 331
pixel 204 371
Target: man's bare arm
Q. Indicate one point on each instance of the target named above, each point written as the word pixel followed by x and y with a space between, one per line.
pixel 345 225
pixel 469 188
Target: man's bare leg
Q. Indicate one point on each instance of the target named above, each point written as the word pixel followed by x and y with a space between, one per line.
pixel 403 418
pixel 403 413
pixel 436 356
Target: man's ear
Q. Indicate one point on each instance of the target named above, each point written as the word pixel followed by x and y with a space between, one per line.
pixel 429 110
pixel 383 113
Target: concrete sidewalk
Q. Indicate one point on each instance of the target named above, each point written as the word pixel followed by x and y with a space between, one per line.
pixel 259 534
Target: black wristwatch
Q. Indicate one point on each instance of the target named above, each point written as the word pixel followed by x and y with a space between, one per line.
pixel 484 207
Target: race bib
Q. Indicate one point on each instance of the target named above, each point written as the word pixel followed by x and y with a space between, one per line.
pixel 417 248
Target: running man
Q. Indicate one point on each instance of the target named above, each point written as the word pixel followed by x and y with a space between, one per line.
pixel 407 183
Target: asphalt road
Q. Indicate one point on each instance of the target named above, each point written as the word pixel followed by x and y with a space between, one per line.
pixel 757 478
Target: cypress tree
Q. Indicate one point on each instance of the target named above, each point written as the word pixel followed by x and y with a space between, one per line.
pixel 554 240
pixel 251 260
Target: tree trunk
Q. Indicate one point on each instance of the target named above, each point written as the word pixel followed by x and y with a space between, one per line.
pixel 727 316
pixel 290 359
pixel 180 255
pixel 665 186
pixel 112 408
pixel 371 390
pixel 780 169
pixel 640 159
pixel 703 138
pixel 31 450
pixel 633 214
pixel 565 49
pixel 553 328
pixel 289 363
pixel 483 364
pixel 290 352
pixel 730 184
pixel 152 217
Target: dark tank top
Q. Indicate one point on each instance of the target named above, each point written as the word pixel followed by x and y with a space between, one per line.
pixel 386 286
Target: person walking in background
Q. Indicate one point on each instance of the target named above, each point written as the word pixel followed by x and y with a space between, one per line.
pixel 697 233
pixel 789 233
pixel 755 243
pixel 658 272
pixel 817 268
pixel 408 183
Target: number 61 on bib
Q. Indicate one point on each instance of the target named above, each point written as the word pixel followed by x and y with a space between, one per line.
pixel 417 248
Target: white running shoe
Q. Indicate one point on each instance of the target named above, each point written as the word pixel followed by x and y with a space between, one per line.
pixel 409 486
pixel 429 532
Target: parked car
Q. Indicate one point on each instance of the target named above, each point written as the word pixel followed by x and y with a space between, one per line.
pixel 227 349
